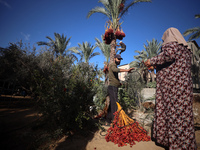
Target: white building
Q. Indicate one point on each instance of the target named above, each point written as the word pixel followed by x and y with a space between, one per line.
pixel 123 74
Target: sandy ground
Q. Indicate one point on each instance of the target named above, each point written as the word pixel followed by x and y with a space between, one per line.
pixel 16 134
pixel 98 142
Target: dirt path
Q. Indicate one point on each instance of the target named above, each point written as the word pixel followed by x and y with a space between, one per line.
pixel 15 128
pixel 100 143
pixel 16 134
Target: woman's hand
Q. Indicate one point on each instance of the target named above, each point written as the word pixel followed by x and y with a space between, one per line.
pixel 151 68
pixel 147 63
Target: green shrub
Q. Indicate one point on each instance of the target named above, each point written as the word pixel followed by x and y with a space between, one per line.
pixel 100 97
pixel 134 88
pixel 151 84
pixel 66 94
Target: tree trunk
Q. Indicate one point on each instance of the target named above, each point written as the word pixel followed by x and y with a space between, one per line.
pixel 112 55
pixel 145 75
pixel 112 52
pixel 152 76
pixel 106 78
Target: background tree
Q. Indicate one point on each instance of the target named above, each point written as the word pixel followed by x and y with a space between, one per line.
pixel 194 31
pixel 59 45
pixel 17 63
pixel 63 90
pixel 86 51
pixel 151 49
pixel 105 49
pixel 139 64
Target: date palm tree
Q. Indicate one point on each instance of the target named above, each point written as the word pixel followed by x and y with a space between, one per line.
pixel 194 31
pixel 86 51
pixel 139 64
pixel 151 49
pixel 58 45
pixel 114 10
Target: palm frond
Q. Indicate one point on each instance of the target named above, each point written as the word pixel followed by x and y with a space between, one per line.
pixel 126 8
pixel 98 10
pixel 152 48
pixel 191 30
pixel 85 50
pixel 195 31
pixel 43 43
pixel 105 49
pixel 73 49
pixel 137 51
pixel 50 39
pixel 104 2
pixel 194 36
pixel 59 45
pixel 94 54
pixel 73 57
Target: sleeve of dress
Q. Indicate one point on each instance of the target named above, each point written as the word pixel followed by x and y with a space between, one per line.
pixel 168 54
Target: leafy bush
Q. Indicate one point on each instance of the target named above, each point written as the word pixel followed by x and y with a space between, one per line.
pixel 66 94
pixel 133 89
pixel 16 63
pixel 151 84
pixel 100 97
pixel 124 99
pixel 64 91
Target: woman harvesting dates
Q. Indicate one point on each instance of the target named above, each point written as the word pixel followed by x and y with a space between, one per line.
pixel 173 122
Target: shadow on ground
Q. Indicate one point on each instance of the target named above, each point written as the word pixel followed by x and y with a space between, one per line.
pixel 17 122
pixel 76 142
pixel 15 128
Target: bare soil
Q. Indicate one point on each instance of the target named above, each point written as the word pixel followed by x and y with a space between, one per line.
pixel 17 133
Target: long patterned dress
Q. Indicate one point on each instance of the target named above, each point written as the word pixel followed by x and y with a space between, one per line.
pixel 173 122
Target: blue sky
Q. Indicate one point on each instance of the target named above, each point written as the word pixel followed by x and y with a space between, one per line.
pixel 32 20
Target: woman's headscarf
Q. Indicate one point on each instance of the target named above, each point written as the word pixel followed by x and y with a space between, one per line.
pixel 173 35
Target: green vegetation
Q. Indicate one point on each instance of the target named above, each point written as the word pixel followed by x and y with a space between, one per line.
pixel 194 31
pixel 152 49
pixel 63 91
pixel 85 50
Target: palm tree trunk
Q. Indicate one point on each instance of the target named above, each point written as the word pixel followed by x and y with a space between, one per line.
pixel 152 76
pixel 145 75
pixel 112 55
pixel 106 78
pixel 112 51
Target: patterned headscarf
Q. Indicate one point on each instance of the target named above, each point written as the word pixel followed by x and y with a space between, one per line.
pixel 173 35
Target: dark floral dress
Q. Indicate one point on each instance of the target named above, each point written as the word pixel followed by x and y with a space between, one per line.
pixel 173 122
